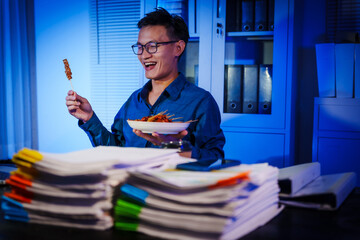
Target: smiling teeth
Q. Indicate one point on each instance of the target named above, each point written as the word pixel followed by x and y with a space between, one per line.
pixel 148 64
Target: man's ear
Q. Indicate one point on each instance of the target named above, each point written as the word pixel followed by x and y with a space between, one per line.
pixel 180 47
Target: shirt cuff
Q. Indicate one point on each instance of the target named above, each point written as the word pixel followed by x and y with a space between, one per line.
pixel 94 120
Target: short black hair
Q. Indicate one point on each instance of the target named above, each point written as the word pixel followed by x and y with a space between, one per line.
pixel 174 24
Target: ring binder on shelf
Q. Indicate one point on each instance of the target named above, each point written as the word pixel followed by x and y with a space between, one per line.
pixel 357 71
pixel 344 70
pixel 250 89
pixel 271 15
pixel 265 89
pixel 233 16
pixel 325 61
pixel 247 23
pixel 233 79
pixel 260 15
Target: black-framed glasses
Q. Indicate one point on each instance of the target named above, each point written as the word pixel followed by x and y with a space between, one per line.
pixel 150 47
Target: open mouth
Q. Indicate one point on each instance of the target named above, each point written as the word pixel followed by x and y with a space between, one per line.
pixel 149 65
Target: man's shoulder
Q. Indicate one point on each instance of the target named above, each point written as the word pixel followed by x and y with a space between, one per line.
pixel 196 90
pixel 137 91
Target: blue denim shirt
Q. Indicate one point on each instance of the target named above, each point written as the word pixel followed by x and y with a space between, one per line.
pixel 181 98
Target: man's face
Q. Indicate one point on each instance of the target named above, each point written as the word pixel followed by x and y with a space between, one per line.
pixel 161 65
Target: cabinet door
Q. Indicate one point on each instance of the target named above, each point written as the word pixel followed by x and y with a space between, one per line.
pixel 189 11
pixel 336 135
pixel 338 155
pixel 241 56
pixel 255 147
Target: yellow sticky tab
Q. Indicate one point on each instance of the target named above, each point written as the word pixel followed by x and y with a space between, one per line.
pixel 20 162
pixel 17 158
pixel 33 154
pixel 27 155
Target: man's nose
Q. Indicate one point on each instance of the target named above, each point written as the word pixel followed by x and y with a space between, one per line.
pixel 146 54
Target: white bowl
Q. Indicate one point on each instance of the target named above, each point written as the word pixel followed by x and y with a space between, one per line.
pixel 159 127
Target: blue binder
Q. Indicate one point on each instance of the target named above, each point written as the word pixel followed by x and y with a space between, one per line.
pixel 250 89
pixel 247 20
pixel 260 15
pixel 271 15
pixel 325 61
pixel 233 16
pixel 233 81
pixel 357 71
pixel 265 88
pixel 344 63
pixel 196 75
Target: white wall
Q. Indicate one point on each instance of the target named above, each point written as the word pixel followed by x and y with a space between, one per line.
pixel 61 31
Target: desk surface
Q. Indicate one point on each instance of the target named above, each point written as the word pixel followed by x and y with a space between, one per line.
pixel 291 223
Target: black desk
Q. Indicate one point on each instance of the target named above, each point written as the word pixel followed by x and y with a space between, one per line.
pixel 291 223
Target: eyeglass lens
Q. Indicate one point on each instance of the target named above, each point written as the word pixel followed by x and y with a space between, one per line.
pixel 150 47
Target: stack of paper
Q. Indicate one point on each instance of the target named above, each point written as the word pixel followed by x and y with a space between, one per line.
pixel 180 204
pixel 72 189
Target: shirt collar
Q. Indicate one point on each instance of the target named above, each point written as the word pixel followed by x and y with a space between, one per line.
pixel 145 91
pixel 176 86
pixel 173 89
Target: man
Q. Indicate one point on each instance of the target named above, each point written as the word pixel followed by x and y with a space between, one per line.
pixel 161 41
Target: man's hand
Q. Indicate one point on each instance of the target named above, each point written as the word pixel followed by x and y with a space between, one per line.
pixel 78 106
pixel 157 139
